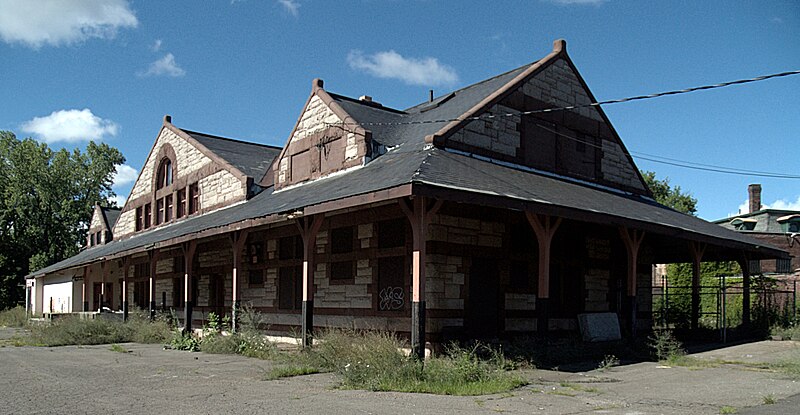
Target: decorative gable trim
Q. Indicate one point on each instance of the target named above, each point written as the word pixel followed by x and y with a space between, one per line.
pixel 312 150
pixel 613 151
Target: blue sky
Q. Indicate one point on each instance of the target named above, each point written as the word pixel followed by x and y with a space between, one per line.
pixel 110 69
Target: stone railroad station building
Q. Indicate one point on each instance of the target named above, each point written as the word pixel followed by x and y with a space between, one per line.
pixel 459 217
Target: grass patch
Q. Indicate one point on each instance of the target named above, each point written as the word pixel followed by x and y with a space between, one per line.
pixel 791 332
pixel 579 388
pixel 769 399
pixel 119 349
pixel 290 371
pixel 13 317
pixel 728 410
pixel 374 361
pixel 73 330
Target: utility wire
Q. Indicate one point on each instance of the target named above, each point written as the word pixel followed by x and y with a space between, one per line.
pixel 573 107
pixel 643 156
pixel 681 163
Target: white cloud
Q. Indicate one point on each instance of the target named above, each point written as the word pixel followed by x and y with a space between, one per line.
pixel 70 126
pixel 156 45
pixel 57 22
pixel 291 6
pixel 165 66
pixel 413 71
pixel 784 204
pixel 571 2
pixel 124 174
pixel 119 200
pixel 780 204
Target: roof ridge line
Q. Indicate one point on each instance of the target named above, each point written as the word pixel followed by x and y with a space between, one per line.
pixel 236 140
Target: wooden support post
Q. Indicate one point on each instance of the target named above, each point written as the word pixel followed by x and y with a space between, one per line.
pixel 744 264
pixel 87 270
pixel 696 249
pixel 309 228
pixel 153 256
pixel 632 239
pixel 189 249
pixel 103 270
pixel 125 271
pixel 238 241
pixel 419 214
pixel 544 227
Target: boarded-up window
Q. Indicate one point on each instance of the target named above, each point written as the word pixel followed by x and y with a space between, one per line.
pixel 342 240
pixel 343 270
pixel 392 233
pixel 177 291
pixel 520 277
pixel 331 155
pixel 783 266
pixel 216 291
pixel 391 283
pixel 255 277
pixel 290 247
pixel 301 166
pixel 290 286
pixel 255 252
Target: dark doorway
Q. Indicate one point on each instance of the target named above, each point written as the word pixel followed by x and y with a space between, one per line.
pixel 483 309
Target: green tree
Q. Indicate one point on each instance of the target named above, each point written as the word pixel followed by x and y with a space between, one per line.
pixel 680 275
pixel 46 202
pixel 668 195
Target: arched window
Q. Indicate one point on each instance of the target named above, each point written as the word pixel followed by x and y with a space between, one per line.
pixel 164 173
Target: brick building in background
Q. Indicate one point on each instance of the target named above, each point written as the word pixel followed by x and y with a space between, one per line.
pixel 777 227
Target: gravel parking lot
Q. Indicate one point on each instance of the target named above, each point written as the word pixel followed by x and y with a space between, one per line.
pixel 148 379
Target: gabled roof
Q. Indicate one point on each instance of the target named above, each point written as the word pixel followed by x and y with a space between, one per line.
pixel 111 215
pixel 419 120
pixel 252 159
pixel 411 161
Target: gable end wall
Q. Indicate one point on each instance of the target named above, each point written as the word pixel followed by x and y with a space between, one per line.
pixel 557 85
pixel 218 187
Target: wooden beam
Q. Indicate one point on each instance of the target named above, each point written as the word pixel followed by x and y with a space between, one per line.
pixel 125 270
pixel 309 228
pixel 153 257
pixel 419 212
pixel 189 250
pixel 238 241
pixel 103 271
pixel 544 227
pixel 744 264
pixel 632 239
pixel 87 270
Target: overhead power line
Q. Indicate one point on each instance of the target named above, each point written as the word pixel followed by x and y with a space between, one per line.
pixel 574 107
pixel 681 163
pixel 643 156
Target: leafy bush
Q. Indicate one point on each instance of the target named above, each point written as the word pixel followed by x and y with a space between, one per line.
pixel 792 332
pixel 665 346
pixel 13 317
pixel 219 344
pixel 184 341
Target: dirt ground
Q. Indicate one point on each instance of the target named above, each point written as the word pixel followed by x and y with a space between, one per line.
pixel 148 379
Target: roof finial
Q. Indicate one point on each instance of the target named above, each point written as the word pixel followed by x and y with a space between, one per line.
pixel 317 84
pixel 559 45
pixel 167 119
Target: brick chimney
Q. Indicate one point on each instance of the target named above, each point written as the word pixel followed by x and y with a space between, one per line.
pixel 754 196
